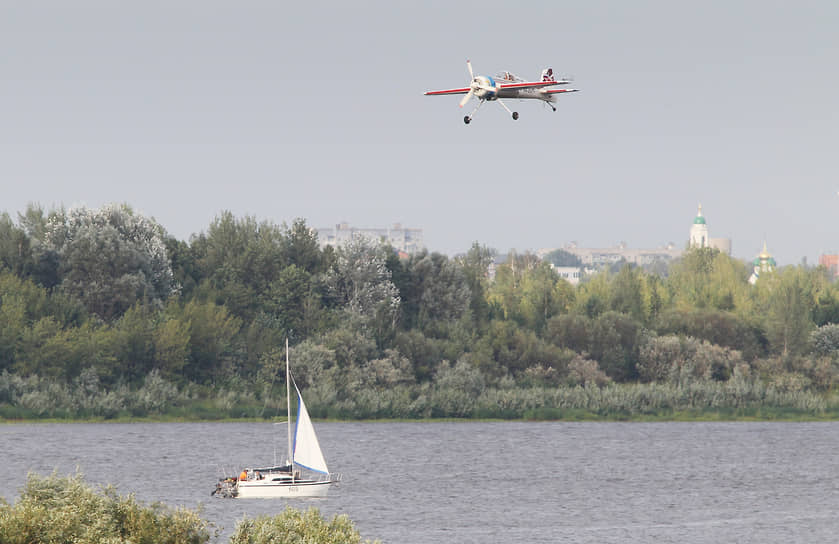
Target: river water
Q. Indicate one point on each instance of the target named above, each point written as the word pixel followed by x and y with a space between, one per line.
pixel 481 482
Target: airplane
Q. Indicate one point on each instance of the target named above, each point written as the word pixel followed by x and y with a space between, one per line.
pixel 506 85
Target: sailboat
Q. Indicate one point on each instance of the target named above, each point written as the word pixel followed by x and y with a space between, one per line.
pixel 287 481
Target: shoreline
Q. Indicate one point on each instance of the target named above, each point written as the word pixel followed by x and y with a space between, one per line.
pixel 702 417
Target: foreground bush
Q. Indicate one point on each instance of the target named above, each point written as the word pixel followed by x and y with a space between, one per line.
pixel 56 510
pixel 53 509
pixel 295 526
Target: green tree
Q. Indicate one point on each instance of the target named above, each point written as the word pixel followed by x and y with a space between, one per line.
pixel 301 248
pixel 22 303
pixel 425 353
pixel 61 353
pixel 15 248
pixel 594 295
pixel 185 269
pixel 706 278
pixel 825 340
pixel 689 277
pixel 134 343
pixel 45 260
pixel 43 349
pixel 788 303
pixel 543 295
pixel 572 331
pixel 171 338
pixel 110 258
pixel 508 349
pixel 212 331
pixel 505 292
pixel 825 297
pixel 717 327
pixel 238 259
pixel 359 283
pixel 475 265
pixel 12 327
pixel 433 290
pixel 285 299
pixel 629 293
pixel 614 344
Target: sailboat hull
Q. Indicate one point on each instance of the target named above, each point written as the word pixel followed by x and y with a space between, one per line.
pixel 266 489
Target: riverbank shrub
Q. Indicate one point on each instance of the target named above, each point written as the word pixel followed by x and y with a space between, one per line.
pixel 296 526
pixel 674 358
pixel 37 397
pixel 459 392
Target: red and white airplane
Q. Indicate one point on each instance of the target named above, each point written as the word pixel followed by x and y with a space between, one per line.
pixel 506 85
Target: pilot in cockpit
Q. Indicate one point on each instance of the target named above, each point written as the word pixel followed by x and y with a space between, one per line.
pixel 548 74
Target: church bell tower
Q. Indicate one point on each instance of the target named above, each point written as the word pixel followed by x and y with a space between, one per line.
pixel 699 231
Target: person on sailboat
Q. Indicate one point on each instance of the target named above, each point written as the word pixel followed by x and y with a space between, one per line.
pixel 244 475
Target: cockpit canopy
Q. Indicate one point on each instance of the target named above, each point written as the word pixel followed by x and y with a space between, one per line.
pixel 508 77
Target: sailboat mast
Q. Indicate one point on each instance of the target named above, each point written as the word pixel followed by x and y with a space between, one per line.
pixel 288 401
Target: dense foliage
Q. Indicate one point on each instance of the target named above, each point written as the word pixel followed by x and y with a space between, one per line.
pixel 56 509
pixel 296 526
pixel 102 314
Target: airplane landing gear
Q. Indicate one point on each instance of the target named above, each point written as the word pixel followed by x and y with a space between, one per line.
pixel 468 118
pixel 515 114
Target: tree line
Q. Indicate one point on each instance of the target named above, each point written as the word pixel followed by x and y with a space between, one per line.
pixel 103 313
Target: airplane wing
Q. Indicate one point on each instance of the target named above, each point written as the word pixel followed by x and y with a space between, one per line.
pixel 532 84
pixel 463 90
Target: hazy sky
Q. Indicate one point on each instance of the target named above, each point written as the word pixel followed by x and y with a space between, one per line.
pixel 316 110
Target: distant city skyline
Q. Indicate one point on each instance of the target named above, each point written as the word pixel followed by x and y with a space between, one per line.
pixel 316 111
pixel 405 239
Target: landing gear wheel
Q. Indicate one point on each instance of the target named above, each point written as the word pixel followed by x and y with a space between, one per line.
pixel 467 119
pixel 515 115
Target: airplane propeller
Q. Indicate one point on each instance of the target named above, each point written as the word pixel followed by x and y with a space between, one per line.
pixel 471 92
pixel 475 86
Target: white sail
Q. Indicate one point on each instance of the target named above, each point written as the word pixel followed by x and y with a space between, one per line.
pixel 306 448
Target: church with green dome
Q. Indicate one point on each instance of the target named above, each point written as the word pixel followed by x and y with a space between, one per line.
pixel 763 264
pixel 699 231
pixel 700 236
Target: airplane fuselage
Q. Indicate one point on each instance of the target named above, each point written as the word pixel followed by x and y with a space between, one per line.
pixel 525 94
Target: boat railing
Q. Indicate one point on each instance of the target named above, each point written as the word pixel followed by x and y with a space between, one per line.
pixel 335 477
